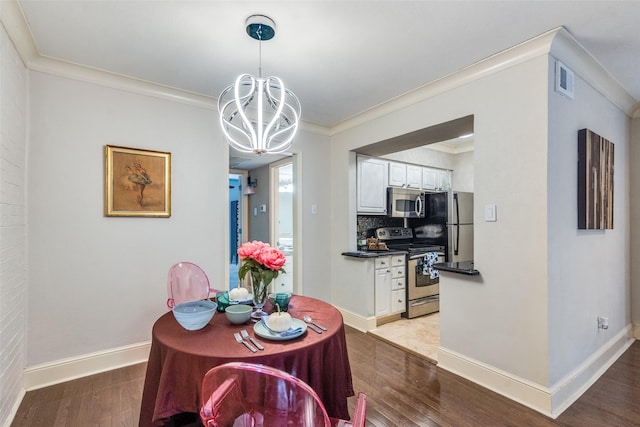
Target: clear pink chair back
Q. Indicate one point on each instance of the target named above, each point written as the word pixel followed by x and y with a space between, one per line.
pixel 243 394
pixel 186 282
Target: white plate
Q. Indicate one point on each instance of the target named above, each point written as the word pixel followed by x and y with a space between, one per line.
pixel 247 300
pixel 263 332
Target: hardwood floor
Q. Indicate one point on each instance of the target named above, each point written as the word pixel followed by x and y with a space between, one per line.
pixel 402 390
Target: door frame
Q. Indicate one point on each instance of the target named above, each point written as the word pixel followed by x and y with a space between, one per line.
pixel 295 159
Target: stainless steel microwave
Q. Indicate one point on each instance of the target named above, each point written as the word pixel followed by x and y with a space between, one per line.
pixel 405 203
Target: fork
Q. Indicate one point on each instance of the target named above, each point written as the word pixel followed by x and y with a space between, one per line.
pixel 241 341
pixel 246 337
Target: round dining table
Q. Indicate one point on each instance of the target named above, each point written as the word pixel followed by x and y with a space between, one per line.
pixel 179 359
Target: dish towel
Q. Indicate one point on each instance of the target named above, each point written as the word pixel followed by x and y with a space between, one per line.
pixel 430 258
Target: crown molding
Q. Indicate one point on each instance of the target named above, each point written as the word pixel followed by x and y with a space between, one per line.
pixel 14 23
pixel 115 81
pixel 583 64
pixel 515 55
pixel 557 41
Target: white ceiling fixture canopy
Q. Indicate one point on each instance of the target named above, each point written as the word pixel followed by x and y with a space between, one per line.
pixel 259 115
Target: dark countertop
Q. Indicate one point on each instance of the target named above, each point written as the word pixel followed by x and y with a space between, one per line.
pixel 460 267
pixel 372 254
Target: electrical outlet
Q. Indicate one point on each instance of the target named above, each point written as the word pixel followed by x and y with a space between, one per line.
pixel 603 322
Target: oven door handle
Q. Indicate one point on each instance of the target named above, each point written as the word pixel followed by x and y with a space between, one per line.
pixel 425 301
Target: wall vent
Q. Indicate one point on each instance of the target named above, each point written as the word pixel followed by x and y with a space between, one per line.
pixel 564 80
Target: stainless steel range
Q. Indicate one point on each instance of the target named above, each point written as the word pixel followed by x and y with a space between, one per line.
pixel 423 291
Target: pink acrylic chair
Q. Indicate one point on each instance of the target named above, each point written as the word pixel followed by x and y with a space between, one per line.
pixel 244 394
pixel 186 282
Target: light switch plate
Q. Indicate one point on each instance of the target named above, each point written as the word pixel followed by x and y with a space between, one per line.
pixel 490 213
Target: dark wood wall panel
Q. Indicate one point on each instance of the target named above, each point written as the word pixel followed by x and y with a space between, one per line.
pixel 595 181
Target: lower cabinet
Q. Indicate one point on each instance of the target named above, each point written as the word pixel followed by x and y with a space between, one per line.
pixel 389 285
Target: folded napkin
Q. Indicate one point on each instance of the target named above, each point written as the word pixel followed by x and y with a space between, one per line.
pixel 287 333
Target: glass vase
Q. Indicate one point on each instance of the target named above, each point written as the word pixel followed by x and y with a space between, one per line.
pixel 259 298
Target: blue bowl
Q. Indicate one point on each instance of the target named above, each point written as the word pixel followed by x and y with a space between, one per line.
pixel 194 315
pixel 238 313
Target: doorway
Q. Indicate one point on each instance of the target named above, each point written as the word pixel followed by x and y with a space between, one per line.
pixel 282 218
pixel 237 221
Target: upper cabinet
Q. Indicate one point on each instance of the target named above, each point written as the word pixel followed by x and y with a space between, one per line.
pixel 374 175
pixel 397 174
pixel 405 175
pixel 414 176
pixel 444 180
pixel 372 182
pixel 429 179
pixel 436 179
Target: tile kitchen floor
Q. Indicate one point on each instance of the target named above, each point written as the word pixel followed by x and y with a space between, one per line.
pixel 419 336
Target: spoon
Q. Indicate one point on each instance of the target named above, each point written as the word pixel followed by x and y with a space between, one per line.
pixel 310 320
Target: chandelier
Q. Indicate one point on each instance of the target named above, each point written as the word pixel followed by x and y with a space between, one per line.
pixel 259 115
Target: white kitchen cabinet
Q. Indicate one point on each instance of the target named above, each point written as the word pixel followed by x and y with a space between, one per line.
pixel 414 176
pixel 443 180
pixel 398 301
pixel 436 179
pixel 390 285
pixel 397 174
pixel 372 181
pixel 382 285
pixel 429 179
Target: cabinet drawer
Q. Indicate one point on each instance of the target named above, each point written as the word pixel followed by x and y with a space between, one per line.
pixel 381 262
pixel 397 284
pixel 397 272
pixel 397 260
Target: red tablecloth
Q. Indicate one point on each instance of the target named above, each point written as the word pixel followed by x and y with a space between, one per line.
pixel 179 359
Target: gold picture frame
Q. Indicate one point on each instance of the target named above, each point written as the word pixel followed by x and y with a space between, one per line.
pixel 137 182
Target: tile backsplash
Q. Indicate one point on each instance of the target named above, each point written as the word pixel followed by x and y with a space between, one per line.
pixel 366 223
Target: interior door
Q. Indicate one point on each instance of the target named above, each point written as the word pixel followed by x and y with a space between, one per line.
pixel 282 229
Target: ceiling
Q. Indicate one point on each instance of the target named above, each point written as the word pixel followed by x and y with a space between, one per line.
pixel 340 58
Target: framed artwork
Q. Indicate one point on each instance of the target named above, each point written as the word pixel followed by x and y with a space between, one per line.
pixel 137 182
pixel 595 181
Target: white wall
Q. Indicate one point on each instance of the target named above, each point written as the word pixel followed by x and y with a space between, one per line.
pixel 510 135
pixel 634 172
pixel 98 283
pixel 505 328
pixel 462 178
pixel 597 283
pixel 13 277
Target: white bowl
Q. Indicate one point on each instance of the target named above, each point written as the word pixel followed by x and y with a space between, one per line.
pixel 194 315
pixel 238 313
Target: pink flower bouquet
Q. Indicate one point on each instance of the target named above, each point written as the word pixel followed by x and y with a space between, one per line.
pixel 264 262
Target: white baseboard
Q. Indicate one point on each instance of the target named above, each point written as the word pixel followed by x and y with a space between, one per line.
pixel 548 401
pixel 12 414
pixel 363 324
pixel 522 391
pixel 636 326
pixel 59 371
pixel 568 389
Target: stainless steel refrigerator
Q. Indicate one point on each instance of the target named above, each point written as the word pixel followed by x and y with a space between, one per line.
pixel 460 226
pixel 448 222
